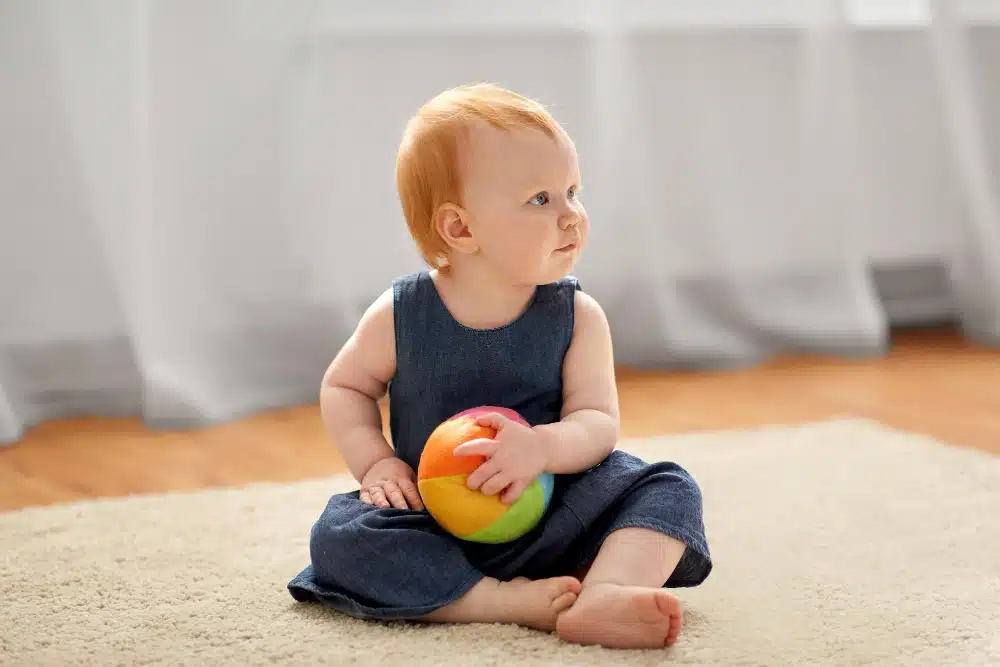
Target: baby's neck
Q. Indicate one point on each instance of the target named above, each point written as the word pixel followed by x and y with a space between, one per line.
pixel 480 300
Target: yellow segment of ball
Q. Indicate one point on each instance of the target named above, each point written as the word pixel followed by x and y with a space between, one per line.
pixel 457 508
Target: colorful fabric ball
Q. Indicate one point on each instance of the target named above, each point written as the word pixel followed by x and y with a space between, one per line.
pixel 468 513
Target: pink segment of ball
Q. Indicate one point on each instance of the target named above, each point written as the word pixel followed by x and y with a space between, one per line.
pixel 487 409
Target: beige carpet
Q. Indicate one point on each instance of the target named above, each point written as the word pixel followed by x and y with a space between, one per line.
pixel 841 543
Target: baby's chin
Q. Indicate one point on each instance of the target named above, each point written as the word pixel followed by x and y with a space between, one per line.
pixel 556 272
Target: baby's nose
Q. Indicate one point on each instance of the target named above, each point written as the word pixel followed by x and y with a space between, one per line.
pixel 569 219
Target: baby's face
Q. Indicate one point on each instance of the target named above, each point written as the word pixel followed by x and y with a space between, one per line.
pixel 521 194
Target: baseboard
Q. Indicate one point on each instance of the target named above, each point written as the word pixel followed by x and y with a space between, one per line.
pixel 915 293
pixel 61 378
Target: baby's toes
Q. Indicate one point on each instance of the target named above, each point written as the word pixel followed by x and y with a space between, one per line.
pixel 559 586
pixel 564 601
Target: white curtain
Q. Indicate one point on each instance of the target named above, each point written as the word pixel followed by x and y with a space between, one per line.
pixel 197 200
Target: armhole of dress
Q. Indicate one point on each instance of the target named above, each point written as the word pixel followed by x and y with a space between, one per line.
pixel 398 285
pixel 572 287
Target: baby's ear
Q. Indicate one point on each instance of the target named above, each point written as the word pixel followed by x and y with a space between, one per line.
pixel 450 223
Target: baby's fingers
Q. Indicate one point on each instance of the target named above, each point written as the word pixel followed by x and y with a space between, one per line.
pixel 409 490
pixel 394 495
pixel 495 484
pixel 374 495
pixel 513 492
pixel 484 472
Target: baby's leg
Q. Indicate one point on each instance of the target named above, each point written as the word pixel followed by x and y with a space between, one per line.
pixel 622 603
pixel 535 604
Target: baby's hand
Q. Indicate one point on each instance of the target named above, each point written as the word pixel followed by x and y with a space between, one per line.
pixel 514 458
pixel 391 483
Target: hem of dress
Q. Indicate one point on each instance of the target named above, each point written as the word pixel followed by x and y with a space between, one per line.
pixel 414 613
pixel 345 605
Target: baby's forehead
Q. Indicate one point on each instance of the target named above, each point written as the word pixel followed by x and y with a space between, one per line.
pixel 482 133
pixel 522 147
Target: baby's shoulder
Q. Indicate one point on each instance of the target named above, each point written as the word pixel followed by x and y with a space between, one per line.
pixel 587 314
pixel 377 321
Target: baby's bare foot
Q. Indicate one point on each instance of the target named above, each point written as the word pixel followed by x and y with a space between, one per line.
pixel 622 617
pixel 536 604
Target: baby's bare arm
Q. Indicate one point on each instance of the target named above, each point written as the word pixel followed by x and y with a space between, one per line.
pixel 353 384
pixel 589 427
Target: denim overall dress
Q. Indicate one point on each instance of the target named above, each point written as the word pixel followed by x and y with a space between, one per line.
pixel 375 563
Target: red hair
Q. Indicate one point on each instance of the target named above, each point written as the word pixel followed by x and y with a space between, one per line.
pixel 427 165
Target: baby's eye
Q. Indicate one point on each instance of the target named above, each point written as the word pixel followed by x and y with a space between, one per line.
pixel 540 199
pixel 571 193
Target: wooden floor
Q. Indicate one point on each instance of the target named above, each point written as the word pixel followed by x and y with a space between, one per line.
pixel 931 382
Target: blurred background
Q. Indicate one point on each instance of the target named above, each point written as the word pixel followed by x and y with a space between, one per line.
pixel 197 199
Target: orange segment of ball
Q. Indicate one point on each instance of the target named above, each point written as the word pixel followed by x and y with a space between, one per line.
pixel 438 459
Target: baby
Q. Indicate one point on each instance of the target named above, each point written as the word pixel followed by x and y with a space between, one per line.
pixel 490 189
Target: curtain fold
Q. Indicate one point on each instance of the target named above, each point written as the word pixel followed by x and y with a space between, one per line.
pixel 974 255
pixel 197 201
